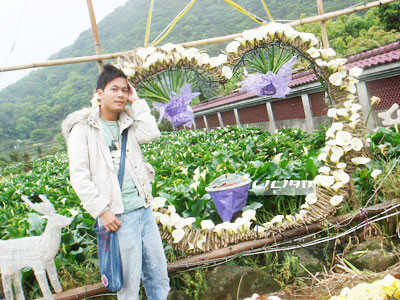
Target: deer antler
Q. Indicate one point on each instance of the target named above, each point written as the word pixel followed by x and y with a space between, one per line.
pixel 45 208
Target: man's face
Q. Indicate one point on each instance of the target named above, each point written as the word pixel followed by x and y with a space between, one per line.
pixel 115 95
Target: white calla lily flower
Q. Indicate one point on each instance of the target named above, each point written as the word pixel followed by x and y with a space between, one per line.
pixel 332 113
pixel 375 100
pixel 233 47
pixel 355 71
pixel 227 72
pixel 327 53
pixel 337 186
pixel 157 203
pixel 343 112
pixel 259 229
pixel 200 242
pixel 157 216
pixel 313 52
pixel 376 173
pixel 356 144
pixel 249 214
pixel 360 160
pixel 321 63
pixel 207 224
pixel 277 219
pixel 324 180
pixel 217 61
pixel 336 200
pixel 341 176
pixel 343 138
pixel 322 156
pixel 324 170
pixel 341 165
pixel 336 79
pixel 311 198
pixel 178 235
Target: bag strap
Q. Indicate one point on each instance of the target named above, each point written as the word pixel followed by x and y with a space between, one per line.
pixel 121 169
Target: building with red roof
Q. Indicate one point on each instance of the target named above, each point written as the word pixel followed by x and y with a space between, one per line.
pixel 304 107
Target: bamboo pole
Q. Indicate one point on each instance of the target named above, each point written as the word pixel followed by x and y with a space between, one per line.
pixel 95 34
pixel 324 33
pixel 98 288
pixel 309 20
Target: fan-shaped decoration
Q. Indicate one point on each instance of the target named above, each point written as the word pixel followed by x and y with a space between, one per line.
pixel 344 150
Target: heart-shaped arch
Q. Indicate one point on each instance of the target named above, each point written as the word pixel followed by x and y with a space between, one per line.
pixel 345 144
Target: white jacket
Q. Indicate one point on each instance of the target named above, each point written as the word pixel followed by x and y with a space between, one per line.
pixel 91 169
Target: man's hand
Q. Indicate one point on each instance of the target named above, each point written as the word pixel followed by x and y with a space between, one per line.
pixel 132 94
pixel 110 221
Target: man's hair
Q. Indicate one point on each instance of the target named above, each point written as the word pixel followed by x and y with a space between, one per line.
pixel 110 73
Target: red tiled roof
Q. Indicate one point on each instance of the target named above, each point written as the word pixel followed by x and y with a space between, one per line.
pixel 366 59
pixel 234 97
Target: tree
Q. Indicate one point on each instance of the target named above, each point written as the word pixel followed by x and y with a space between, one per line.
pixel 24 127
pixel 389 16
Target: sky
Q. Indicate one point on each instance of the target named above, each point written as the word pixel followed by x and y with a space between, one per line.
pixel 40 28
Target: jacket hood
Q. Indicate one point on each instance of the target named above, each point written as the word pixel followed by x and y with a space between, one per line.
pixel 83 116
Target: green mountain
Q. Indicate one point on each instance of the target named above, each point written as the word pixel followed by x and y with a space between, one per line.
pixel 32 109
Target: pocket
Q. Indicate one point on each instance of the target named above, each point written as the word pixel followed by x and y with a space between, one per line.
pixel 149 171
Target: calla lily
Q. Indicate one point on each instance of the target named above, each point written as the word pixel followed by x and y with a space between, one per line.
pixel 337 126
pixel 336 79
pixel 326 53
pixel 355 108
pixel 218 229
pixel 189 221
pixel 324 170
pixel 356 144
pixel 360 160
pixel 376 173
pixel 321 63
pixel 157 216
pixel 322 156
pixel 143 53
pixel 249 214
pixel 313 52
pixel 348 103
pixel 311 198
pixel 277 219
pixel 354 117
pixel 227 72
pixel 200 242
pixel 308 37
pixel 157 203
pixel 342 112
pixel 332 113
pixel 233 47
pixel 259 229
pixel 354 124
pixel 341 165
pixel 375 100
pixel 203 59
pixel 337 186
pixel 207 224
pixel 164 219
pixel 217 61
pixel 343 138
pixel 305 206
pixel 336 200
pixel 324 180
pixel 355 71
pixel 341 176
pixel 178 234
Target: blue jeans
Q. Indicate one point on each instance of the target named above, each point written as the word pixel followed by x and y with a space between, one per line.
pixel 142 256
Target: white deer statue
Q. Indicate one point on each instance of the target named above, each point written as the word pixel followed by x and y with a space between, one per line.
pixel 37 252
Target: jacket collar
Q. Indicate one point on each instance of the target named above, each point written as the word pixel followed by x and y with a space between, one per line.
pixel 124 118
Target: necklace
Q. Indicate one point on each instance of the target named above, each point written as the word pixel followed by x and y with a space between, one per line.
pixel 115 144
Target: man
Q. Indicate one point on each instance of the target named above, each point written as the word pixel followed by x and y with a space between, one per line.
pixel 93 137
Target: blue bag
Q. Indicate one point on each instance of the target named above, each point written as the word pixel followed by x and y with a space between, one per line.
pixel 109 258
pixel 107 241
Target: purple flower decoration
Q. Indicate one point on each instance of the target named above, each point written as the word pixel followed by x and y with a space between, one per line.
pixel 178 109
pixel 270 84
